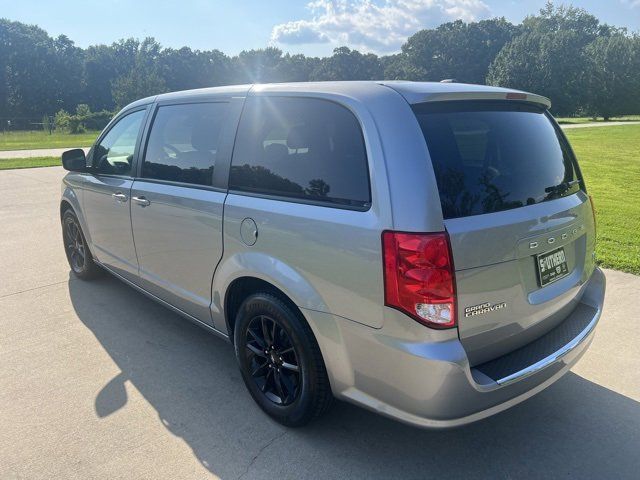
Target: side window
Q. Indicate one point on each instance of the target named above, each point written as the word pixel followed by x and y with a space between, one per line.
pixel 303 148
pixel 183 142
pixel 114 153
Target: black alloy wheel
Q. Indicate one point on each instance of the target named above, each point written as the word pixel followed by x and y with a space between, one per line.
pixel 273 360
pixel 280 360
pixel 76 249
pixel 74 244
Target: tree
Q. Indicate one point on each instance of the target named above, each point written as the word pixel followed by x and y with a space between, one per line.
pixel 101 67
pixel 458 50
pixel 549 56
pixel 347 64
pixel 82 120
pixel 258 66
pixel 551 65
pixel 613 84
pixel 398 67
pixel 4 69
pixel 184 68
pixel 564 53
pixel 297 68
pixel 552 19
pixel 38 74
pixel 66 76
pixel 144 79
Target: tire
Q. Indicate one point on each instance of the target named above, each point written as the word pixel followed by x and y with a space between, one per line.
pixel 75 247
pixel 303 395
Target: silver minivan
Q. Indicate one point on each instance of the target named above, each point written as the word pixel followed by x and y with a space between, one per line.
pixel 424 250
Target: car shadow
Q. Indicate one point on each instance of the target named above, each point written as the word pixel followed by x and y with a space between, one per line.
pixel 574 429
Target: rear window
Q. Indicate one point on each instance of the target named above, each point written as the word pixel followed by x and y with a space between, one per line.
pixel 304 148
pixel 494 156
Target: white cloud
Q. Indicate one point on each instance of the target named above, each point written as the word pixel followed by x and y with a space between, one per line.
pixel 632 3
pixel 300 31
pixel 374 26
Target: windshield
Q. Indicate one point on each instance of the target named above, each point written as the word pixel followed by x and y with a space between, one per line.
pixel 493 156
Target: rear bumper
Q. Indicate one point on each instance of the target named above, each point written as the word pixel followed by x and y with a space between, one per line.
pixel 395 371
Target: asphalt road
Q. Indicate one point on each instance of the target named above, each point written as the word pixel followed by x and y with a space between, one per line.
pixel 97 381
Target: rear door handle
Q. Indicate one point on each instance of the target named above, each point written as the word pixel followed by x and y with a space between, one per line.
pixel 119 196
pixel 142 201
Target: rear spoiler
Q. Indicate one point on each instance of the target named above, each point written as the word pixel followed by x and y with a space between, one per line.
pixel 518 96
pixel 421 92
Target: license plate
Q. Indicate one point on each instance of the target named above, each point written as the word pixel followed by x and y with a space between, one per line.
pixel 551 266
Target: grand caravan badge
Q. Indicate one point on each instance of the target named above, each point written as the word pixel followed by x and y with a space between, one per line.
pixel 483 308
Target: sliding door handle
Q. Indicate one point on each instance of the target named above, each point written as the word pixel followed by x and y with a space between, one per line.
pixel 142 201
pixel 119 196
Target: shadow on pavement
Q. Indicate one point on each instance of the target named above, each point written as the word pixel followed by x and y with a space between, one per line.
pixel 574 429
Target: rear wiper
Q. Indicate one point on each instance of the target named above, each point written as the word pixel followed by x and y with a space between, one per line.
pixel 562 187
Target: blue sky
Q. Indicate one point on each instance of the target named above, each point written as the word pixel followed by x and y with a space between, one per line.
pixel 313 27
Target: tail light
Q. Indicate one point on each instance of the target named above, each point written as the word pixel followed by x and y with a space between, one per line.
pixel 419 277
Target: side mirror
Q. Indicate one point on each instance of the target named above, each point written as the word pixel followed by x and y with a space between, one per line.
pixel 74 160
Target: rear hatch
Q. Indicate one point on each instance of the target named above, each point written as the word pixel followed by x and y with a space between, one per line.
pixel 519 219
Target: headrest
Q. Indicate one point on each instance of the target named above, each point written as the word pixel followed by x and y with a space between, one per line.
pixel 298 137
pixel 204 137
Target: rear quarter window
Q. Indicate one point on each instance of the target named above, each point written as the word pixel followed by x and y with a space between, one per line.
pixel 301 148
pixel 494 156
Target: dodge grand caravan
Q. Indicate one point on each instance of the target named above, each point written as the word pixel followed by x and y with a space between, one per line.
pixel 424 250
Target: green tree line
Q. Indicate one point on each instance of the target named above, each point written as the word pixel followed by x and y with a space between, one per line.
pixel 565 53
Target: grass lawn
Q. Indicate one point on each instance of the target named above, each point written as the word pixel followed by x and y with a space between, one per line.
pixel 11 163
pixel 40 139
pixel 610 162
pixel 572 120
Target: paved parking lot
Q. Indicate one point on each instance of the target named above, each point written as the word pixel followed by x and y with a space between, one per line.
pixel 97 381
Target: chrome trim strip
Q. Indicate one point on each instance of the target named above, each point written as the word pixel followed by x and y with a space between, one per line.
pixel 554 357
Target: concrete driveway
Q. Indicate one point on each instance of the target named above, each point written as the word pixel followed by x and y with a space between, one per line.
pixel 38 152
pixel 97 381
pixel 598 124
